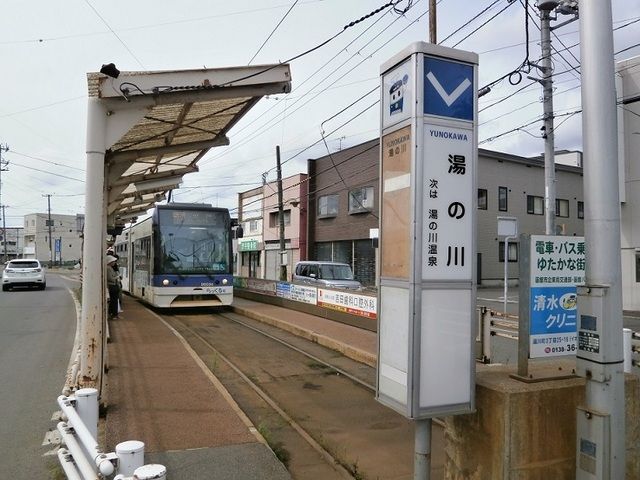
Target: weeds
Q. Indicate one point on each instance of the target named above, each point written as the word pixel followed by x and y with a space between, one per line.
pixel 278 449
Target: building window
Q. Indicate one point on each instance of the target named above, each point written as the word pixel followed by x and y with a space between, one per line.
pixel 274 218
pixel 562 208
pixel 513 252
pixel 361 200
pixel 637 267
pixel 502 198
pixel 482 199
pixel 253 225
pixel 535 205
pixel 328 206
pixel 580 209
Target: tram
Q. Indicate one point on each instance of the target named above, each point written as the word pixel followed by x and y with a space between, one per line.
pixel 181 256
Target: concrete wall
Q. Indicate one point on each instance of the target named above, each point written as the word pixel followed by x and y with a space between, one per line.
pixel 527 431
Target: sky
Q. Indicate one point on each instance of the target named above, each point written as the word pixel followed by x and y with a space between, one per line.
pixel 47 48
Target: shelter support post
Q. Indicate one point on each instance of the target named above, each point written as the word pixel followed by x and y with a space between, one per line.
pixel 92 255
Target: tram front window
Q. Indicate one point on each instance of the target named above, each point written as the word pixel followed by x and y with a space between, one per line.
pixel 188 249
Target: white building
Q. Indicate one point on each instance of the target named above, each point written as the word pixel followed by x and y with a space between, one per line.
pixel 11 242
pixel 59 242
pixel 628 91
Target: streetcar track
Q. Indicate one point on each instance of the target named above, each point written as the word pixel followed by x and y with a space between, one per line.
pixel 437 421
pixel 299 350
pixel 334 462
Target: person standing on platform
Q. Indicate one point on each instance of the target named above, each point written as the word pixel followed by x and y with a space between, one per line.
pixel 113 285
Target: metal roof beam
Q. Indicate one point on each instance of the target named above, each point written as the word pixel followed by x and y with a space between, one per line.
pixel 149 176
pixel 128 155
pixel 267 79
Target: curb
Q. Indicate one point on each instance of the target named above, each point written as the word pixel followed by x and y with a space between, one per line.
pixel 345 349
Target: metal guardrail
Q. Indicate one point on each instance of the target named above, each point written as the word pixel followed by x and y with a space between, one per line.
pixel 493 323
pixel 82 459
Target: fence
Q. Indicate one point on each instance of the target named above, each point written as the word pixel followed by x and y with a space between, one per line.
pixel 82 459
pixel 492 323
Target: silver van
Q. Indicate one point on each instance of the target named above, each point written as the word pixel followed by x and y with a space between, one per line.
pixel 325 274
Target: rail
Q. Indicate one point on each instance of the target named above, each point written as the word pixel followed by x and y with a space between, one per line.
pixel 82 459
pixel 492 323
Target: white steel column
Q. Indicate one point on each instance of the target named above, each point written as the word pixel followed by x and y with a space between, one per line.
pixel 602 216
pixel 92 255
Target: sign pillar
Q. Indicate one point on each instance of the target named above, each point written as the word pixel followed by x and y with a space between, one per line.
pixel 428 188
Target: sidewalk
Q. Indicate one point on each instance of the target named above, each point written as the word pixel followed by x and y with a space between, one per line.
pixel 159 392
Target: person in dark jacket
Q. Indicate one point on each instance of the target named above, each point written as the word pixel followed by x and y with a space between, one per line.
pixel 113 285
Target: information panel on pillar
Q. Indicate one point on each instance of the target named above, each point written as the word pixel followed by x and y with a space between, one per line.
pixel 429 153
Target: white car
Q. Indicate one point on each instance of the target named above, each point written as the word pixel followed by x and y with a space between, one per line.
pixel 23 272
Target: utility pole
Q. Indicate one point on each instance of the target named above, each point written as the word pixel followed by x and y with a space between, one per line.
pixel 283 265
pixel 432 22
pixel 600 428
pixel 49 223
pixel 4 166
pixel 545 7
pixel 4 234
pixel 423 427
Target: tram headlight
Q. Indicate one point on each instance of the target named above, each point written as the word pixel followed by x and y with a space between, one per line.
pixel 225 281
pixel 165 282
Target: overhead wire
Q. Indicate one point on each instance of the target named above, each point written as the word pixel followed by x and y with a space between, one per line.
pixel 272 32
pixel 115 34
pixel 270 123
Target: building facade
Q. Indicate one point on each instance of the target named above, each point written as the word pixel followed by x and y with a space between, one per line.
pixel 344 197
pixel 628 86
pixel 343 208
pixel 258 251
pixel 57 241
pixel 11 243
pixel 294 194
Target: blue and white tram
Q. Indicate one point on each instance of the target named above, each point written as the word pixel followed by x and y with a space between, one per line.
pixel 179 257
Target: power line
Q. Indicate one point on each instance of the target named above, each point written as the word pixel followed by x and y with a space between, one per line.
pixel 272 32
pixel 115 34
pixel 274 121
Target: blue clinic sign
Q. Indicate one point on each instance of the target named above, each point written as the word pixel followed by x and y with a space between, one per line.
pixel 448 89
pixel 553 314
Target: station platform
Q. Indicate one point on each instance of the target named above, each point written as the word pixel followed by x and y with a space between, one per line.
pixel 159 392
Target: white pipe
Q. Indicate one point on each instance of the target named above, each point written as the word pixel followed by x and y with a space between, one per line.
pixel 130 456
pixel 152 471
pixel 87 440
pixel 87 409
pixel 627 333
pixel 87 470
pixel 69 468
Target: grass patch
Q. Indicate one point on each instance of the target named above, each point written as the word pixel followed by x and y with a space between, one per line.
pixel 278 449
pixel 55 470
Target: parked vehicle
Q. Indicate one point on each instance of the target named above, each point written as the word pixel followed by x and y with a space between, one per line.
pixel 23 272
pixel 325 274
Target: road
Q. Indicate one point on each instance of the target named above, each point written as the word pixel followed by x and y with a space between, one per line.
pixel 37 330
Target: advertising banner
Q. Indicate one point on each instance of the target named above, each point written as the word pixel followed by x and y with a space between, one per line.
pixel 557 267
pixel 348 302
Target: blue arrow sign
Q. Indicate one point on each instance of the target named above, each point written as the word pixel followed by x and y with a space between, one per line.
pixel 448 89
